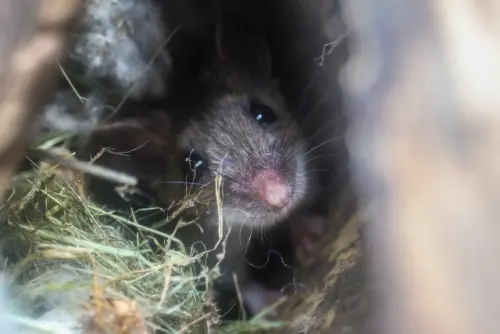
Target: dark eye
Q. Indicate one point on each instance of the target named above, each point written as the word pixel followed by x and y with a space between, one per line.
pixel 193 166
pixel 262 113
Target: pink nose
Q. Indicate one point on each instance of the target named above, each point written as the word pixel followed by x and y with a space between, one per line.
pixel 272 188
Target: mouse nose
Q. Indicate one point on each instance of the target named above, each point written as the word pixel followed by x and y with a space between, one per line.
pixel 272 188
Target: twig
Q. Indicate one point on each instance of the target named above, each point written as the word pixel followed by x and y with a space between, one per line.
pixel 85 167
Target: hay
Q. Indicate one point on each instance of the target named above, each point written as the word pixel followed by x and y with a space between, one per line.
pixel 67 232
pixel 79 264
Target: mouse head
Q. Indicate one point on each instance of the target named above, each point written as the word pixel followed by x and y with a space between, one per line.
pixel 246 137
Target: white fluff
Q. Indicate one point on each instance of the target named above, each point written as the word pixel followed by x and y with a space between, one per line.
pixel 65 306
pixel 7 324
pixel 67 113
pixel 121 41
pixel 118 40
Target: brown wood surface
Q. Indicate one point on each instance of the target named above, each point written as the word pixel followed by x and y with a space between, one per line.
pixel 423 86
pixel 34 36
pixel 425 82
pixel 330 294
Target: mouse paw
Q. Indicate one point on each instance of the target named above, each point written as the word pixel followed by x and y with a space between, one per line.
pixel 306 234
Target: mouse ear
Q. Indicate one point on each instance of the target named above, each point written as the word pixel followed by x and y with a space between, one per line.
pixel 148 137
pixel 242 49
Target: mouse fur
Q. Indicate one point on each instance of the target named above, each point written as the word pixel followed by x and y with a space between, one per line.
pixel 234 145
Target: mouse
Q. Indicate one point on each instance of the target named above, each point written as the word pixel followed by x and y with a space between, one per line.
pixel 246 138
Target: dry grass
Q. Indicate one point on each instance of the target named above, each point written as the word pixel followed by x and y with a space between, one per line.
pixel 65 231
pixel 99 269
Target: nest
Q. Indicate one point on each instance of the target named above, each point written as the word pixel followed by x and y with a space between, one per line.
pixel 78 268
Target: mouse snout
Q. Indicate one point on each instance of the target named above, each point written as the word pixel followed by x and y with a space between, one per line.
pixel 272 188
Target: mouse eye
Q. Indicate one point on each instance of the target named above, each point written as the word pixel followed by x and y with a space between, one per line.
pixel 262 113
pixel 193 166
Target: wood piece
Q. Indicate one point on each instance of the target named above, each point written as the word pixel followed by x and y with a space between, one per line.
pixel 425 83
pixel 35 37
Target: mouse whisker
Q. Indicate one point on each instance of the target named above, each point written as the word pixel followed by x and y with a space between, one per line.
pixel 306 91
pixel 321 170
pixel 290 123
pixel 321 145
pixel 323 127
pixel 290 146
pixel 262 232
pixel 240 237
pixel 181 182
pixel 315 107
pixel 292 152
pixel 295 116
pixel 191 184
pixel 319 157
pixel 229 178
pixel 303 97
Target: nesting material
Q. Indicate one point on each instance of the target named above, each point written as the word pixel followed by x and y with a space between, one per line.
pixel 118 50
pixel 75 266
pixel 70 113
pixel 78 267
pixel 123 41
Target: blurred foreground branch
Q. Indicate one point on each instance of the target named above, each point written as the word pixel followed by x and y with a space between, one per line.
pixel 425 84
pixel 34 36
